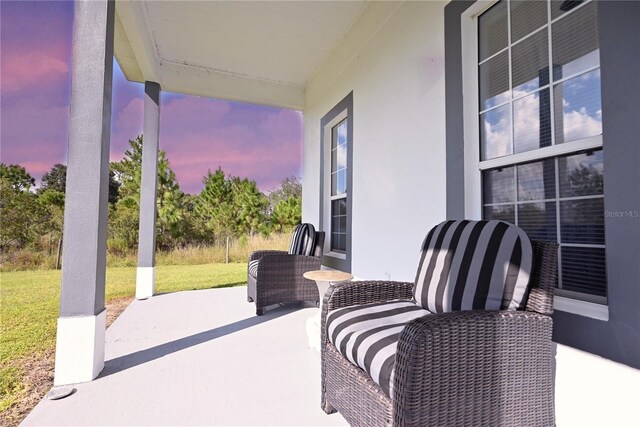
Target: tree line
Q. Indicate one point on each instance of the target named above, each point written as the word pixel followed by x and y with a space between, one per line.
pixel 227 206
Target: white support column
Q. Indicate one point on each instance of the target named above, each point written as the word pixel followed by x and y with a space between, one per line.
pixel 79 348
pixel 81 325
pixel 145 282
pixel 145 277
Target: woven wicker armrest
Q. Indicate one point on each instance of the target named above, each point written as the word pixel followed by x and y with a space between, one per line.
pixel 259 254
pixel 365 292
pixel 451 369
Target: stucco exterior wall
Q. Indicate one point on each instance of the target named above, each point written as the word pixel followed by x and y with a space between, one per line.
pixel 399 165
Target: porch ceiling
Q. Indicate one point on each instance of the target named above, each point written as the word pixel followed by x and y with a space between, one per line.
pixel 258 52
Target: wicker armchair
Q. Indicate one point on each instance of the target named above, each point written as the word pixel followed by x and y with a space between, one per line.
pixel 279 276
pixel 461 368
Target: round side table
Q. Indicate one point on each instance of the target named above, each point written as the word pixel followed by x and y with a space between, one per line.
pixel 323 279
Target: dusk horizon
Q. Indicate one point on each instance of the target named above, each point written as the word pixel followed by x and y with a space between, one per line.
pixel 198 134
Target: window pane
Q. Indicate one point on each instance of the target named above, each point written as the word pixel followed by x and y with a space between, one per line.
pixel 501 212
pixel 494 81
pixel 339 134
pixel 334 183
pixel 581 174
pixel 339 182
pixel 527 16
pixel 499 185
pixel 492 30
pixel 537 181
pixel 341 157
pixel 341 187
pixel 532 122
pixel 495 133
pixel 582 221
pixel 578 110
pixel 342 132
pixel 530 64
pixel 575 42
pixel 538 220
pixel 583 270
pixel 342 224
pixel 339 207
pixel 339 224
pixel 338 242
pixel 559 7
pixel 334 160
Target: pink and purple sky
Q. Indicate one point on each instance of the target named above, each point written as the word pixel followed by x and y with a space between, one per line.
pixel 198 134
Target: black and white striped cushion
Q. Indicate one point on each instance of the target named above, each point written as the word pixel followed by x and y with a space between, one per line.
pixel 253 267
pixel 467 265
pixel 367 335
pixel 303 240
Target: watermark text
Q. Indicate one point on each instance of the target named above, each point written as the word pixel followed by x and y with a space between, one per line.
pixel 621 214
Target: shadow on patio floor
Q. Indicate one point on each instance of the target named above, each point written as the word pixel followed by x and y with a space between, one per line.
pixel 131 360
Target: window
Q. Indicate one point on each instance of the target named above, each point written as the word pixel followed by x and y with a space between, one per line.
pixel 338 240
pixel 336 136
pixel 539 128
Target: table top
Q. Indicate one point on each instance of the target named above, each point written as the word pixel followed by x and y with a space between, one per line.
pixel 328 275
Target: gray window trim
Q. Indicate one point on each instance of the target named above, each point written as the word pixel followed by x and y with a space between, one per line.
pixel 617 338
pixel 339 263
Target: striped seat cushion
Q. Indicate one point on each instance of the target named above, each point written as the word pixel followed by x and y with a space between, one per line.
pixel 253 267
pixel 367 335
pixel 303 240
pixel 468 265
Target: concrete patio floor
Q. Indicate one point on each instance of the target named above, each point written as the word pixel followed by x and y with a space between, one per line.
pixel 200 358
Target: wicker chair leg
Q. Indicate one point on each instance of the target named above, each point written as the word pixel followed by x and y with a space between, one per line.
pixel 327 408
pixel 259 311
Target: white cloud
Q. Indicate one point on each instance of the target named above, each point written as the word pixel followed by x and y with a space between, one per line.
pixel 496 133
pixel 526 123
pixel 28 68
pixel 579 124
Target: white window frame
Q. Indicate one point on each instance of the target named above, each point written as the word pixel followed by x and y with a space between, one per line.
pixel 473 166
pixel 328 198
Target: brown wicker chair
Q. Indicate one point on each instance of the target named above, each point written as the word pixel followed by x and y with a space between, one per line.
pixel 279 277
pixel 464 368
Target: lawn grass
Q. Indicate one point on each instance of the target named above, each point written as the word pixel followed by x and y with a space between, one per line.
pixel 29 304
pixel 29 259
